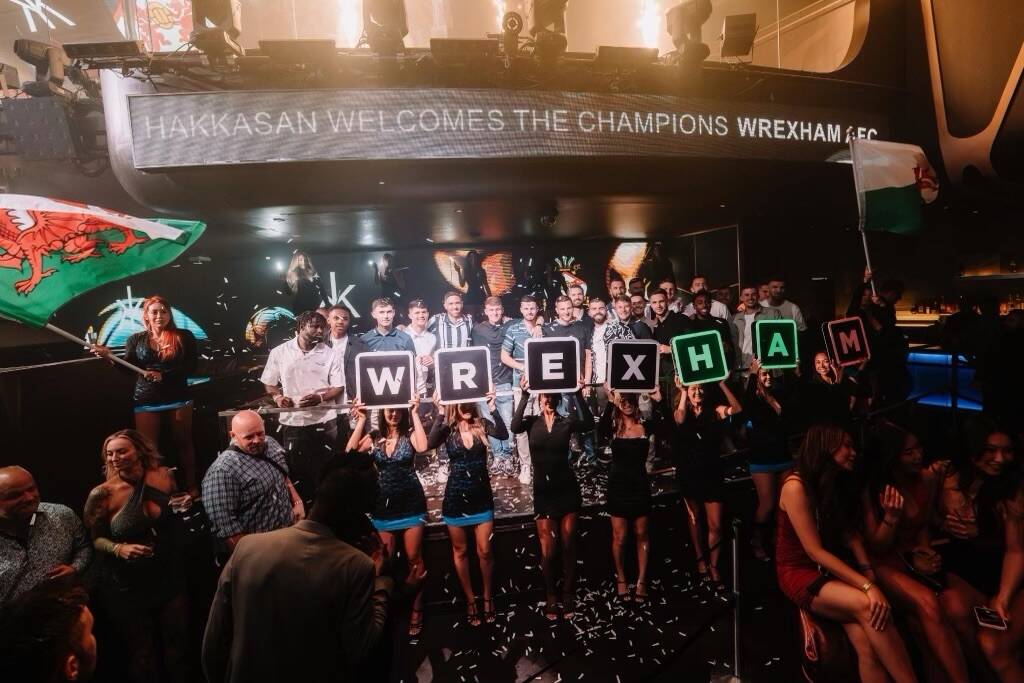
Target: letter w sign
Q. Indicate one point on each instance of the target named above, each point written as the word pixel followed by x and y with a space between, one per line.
pixel 385 379
pixel 849 341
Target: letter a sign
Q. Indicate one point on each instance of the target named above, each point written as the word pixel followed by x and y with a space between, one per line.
pixel 633 365
pixel 553 364
pixel 385 379
pixel 849 341
pixel 775 344
pixel 463 374
pixel 700 357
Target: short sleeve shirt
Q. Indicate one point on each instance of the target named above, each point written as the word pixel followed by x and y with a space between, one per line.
pixel 303 372
pixel 493 337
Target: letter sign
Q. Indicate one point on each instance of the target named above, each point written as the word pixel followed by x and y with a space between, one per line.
pixel 552 364
pixel 385 379
pixel 463 374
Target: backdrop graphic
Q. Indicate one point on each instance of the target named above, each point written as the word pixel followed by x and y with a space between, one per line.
pixel 243 305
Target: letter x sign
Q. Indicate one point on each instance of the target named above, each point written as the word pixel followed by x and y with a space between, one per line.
pixel 463 374
pixel 552 364
pixel 700 357
pixel 385 379
pixel 775 344
pixel 633 365
pixel 849 341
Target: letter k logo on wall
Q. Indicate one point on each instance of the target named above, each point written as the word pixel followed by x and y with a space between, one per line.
pixel 38 8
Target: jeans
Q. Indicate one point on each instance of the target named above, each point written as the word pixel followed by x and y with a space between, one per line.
pixel 505 405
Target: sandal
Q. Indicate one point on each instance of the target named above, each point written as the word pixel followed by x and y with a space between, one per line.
pixel 702 573
pixel 489 614
pixel 640 599
pixel 623 595
pixel 716 580
pixel 568 606
pixel 416 623
pixel 551 611
pixel 472 616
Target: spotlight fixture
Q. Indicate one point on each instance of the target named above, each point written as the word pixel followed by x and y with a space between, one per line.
pixel 548 15
pixel 511 27
pixel 385 26
pixel 738 32
pixel 49 61
pixel 684 22
pixel 217 24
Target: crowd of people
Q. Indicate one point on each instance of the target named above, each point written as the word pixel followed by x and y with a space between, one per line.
pixel 896 547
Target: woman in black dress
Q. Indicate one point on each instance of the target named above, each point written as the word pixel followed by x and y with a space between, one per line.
pixel 169 356
pixel 556 493
pixel 766 408
pixel 700 428
pixel 304 283
pixel 473 277
pixel 401 508
pixel 629 491
pixel 468 501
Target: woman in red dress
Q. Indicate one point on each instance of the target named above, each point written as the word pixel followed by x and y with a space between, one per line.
pixel 817 523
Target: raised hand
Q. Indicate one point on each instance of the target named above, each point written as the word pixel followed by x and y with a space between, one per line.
pixel 892 504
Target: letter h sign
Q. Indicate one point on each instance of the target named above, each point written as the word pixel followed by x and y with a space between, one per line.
pixel 849 341
pixel 700 357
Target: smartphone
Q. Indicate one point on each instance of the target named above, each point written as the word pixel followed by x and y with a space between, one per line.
pixel 989 619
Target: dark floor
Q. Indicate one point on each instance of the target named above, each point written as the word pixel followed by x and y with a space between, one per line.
pixel 683 633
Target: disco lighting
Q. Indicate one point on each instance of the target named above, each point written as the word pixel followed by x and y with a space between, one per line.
pixel 684 22
pixel 131 49
pixel 217 24
pixel 49 62
pixel 385 26
pixel 461 51
pixel 511 26
pixel 548 15
pixel 738 32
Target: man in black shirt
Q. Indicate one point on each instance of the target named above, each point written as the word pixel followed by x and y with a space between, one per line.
pixel 564 326
pixel 667 324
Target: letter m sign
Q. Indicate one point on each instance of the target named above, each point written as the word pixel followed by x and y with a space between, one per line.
pixel 849 341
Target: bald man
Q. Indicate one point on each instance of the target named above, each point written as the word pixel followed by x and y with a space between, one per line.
pixel 247 489
pixel 38 541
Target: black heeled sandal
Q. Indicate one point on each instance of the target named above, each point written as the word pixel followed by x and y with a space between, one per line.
pixel 416 624
pixel 568 606
pixel 622 596
pixel 551 611
pixel 472 615
pixel 704 576
pixel 640 599
pixel 490 616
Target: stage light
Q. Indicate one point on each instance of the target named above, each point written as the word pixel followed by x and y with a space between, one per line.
pixel 385 25
pixel 548 15
pixel 132 49
pixel 684 22
pixel 461 51
pixel 738 33
pixel 216 27
pixel 49 61
pixel 511 26
pixel 549 46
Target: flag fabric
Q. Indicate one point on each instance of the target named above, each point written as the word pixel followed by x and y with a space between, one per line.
pixel 53 250
pixel 893 180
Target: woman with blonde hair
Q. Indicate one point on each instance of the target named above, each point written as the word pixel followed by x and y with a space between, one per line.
pixel 168 355
pixel 468 499
pixel 131 519
pixel 304 283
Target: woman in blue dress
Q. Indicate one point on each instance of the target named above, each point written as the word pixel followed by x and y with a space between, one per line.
pixel 468 501
pixel 401 506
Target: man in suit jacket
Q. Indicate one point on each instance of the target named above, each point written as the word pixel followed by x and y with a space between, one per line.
pixel 347 346
pixel 301 604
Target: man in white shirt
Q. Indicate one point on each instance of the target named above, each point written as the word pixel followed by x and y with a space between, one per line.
pixel 718 309
pixel 425 343
pixel 305 373
pixel 787 309
pixel 743 325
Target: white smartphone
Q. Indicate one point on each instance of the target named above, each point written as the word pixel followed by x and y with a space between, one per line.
pixel 989 618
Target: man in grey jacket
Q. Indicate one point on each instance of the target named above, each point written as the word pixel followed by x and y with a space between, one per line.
pixel 301 604
pixel 743 325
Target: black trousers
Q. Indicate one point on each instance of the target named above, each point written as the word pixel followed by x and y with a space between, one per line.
pixel 309 449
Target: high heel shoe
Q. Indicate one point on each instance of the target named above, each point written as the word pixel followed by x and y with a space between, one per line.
pixel 640 599
pixel 568 606
pixel 622 595
pixel 472 615
pixel 416 623
pixel 489 614
pixel 702 569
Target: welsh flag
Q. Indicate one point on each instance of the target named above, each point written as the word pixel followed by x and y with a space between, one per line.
pixel 893 180
pixel 52 250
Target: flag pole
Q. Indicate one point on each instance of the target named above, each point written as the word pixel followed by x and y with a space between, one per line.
pixel 79 340
pixel 858 184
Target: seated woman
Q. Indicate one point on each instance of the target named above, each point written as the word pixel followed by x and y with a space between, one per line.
pixel 468 500
pixel 629 491
pixel 899 502
pixel 556 493
pixel 982 511
pixel 829 395
pixel 401 506
pixel 138 539
pixel 816 524
pixel 700 430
